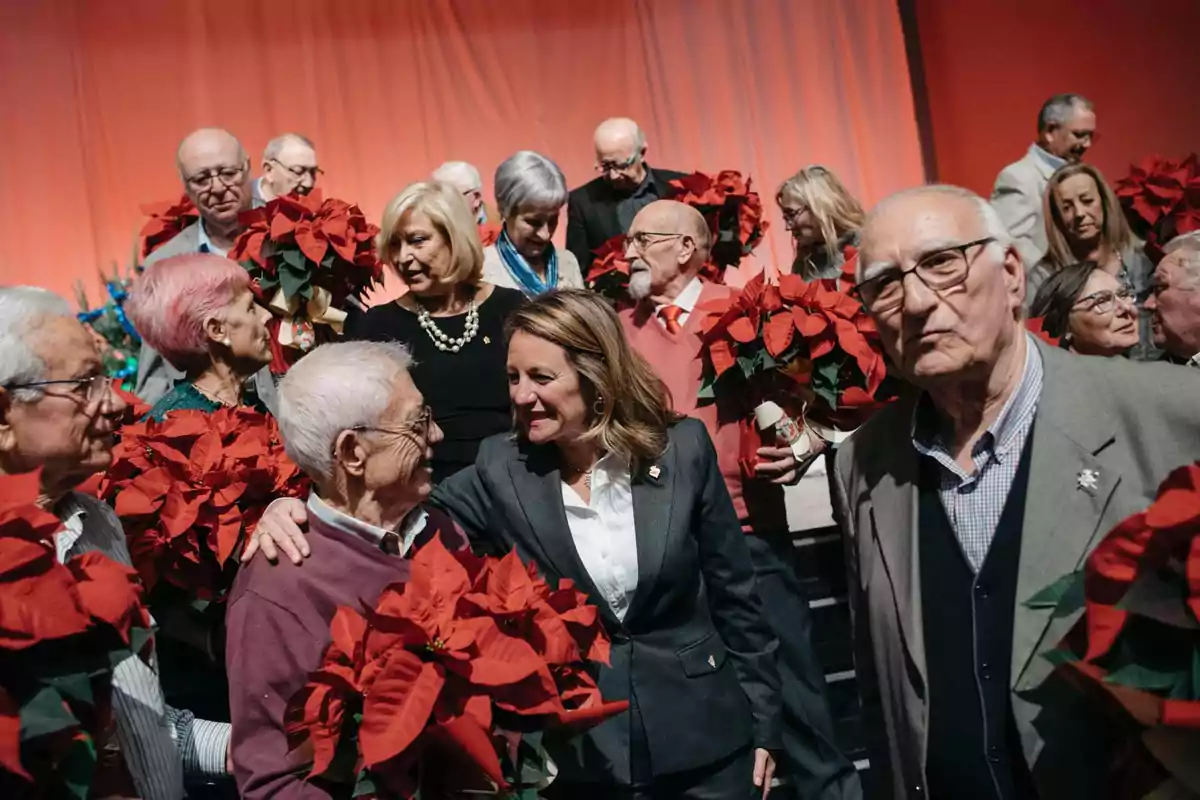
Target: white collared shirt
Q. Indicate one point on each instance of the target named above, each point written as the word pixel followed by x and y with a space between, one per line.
pixel 1194 361
pixel 408 531
pixel 686 300
pixel 205 244
pixel 604 534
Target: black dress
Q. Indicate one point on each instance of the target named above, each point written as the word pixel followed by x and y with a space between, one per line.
pixel 468 390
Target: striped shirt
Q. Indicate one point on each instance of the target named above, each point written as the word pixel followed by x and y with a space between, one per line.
pixel 159 743
pixel 975 501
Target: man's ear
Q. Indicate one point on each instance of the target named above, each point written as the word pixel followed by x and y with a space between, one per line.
pixel 1014 275
pixel 8 436
pixel 349 451
pixel 687 250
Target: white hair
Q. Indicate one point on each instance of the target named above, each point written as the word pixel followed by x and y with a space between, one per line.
pixel 1059 109
pixel 528 180
pixel 22 310
pixel 276 145
pixel 459 174
pixel 334 388
pixel 1188 247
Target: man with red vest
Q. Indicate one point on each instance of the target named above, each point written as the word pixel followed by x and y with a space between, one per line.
pixel 667 244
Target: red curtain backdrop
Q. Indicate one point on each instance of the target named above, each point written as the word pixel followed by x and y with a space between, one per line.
pixel 990 64
pixel 98 93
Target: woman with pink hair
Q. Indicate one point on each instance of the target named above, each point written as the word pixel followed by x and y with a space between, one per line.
pixel 198 311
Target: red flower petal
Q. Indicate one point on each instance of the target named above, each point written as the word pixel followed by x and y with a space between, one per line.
pixel 398 706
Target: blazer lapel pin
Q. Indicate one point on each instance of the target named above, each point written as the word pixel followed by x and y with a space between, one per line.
pixel 1087 480
pixel 712 661
pixel 654 471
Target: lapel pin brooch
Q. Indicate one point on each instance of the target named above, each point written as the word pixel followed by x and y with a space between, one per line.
pixel 654 471
pixel 1087 479
pixel 712 662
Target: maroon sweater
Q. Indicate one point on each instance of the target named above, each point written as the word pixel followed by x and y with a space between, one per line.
pixel 277 631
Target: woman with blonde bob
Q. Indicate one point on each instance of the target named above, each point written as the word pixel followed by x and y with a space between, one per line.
pixel 1084 222
pixel 198 311
pixel 604 485
pixel 823 218
pixel 451 320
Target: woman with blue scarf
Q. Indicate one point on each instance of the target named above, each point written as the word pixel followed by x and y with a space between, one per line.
pixel 530 194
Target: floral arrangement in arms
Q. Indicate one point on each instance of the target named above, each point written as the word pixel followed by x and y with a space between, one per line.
pixel 1138 640
pixel 63 627
pixel 166 221
pixel 307 256
pixel 447 684
pixel 733 211
pixel 809 348
pixel 1161 198
pixel 189 491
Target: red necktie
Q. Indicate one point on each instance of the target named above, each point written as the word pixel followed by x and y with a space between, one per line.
pixel 670 317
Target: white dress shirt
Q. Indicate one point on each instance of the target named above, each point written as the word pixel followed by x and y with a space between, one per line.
pixel 686 300
pixel 406 533
pixel 604 534
pixel 159 743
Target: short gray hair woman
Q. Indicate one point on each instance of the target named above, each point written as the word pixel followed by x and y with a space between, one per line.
pixel 530 195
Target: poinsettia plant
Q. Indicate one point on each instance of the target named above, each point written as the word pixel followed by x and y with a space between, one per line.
pixel 166 221
pixel 1037 326
pixel 190 489
pixel 609 273
pixel 1161 198
pixel 449 679
pixel 63 627
pixel 1138 639
pixel 811 348
pixel 732 209
pixel 307 256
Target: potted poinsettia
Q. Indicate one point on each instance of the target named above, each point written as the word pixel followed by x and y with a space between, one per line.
pixel 63 627
pixel 1138 639
pixel 166 221
pixel 1161 198
pixel 308 256
pixel 732 209
pixel 451 682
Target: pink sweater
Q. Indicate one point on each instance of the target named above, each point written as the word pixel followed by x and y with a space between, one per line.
pixel 759 504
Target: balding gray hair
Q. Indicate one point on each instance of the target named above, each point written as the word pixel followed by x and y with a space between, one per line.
pixel 459 174
pixel 1060 108
pixel 334 388
pixel 276 145
pixel 241 151
pixel 529 180
pixel 993 226
pixel 614 125
pixel 1187 245
pixel 22 310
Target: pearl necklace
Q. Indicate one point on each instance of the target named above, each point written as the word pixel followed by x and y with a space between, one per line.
pixel 443 342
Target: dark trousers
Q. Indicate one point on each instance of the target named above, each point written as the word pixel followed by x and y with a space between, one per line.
pixel 811 763
pixel 731 778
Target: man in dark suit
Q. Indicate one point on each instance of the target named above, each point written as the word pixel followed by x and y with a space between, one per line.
pixel 605 206
pixel 993 478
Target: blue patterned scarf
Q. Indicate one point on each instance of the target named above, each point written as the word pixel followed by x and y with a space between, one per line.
pixel 531 285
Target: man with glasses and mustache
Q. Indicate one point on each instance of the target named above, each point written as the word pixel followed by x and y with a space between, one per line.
pixel 216 178
pixel 605 207
pixel 354 421
pixel 289 165
pixel 992 478
pixel 58 413
pixel 1066 128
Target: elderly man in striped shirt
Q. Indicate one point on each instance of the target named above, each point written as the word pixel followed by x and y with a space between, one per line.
pixel 58 412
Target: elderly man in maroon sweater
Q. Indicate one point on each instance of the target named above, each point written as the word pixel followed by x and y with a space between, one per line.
pixel 353 420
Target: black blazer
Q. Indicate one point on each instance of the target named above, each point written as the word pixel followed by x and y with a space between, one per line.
pixel 592 214
pixel 693 646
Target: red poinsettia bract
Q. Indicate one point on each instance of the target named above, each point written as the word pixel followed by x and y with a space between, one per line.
pixel 734 212
pixel 444 659
pixel 166 221
pixel 190 488
pixel 60 628
pixel 1161 198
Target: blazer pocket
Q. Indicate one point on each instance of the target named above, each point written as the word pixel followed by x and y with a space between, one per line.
pixel 704 657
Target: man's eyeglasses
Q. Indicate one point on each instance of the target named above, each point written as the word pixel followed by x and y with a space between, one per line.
pixel 88 389
pixel 418 427
pixel 940 270
pixel 299 171
pixel 643 239
pixel 1104 302
pixel 228 176
pixel 617 166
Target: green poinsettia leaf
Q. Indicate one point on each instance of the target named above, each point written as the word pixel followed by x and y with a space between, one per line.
pixel 1158 595
pixel 45 713
pixel 78 767
pixel 825 374
pixel 1060 658
pixel 293 285
pixel 748 364
pixel 766 360
pixel 292 257
pixel 1137 676
pixel 705 392
pixel 827 393
pixel 364 785
pixel 330 256
pixel 1065 595
pixel 77 686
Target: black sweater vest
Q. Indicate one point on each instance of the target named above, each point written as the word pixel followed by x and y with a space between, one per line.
pixel 973 750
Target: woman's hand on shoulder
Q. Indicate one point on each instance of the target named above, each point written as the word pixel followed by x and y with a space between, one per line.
pixel 279 529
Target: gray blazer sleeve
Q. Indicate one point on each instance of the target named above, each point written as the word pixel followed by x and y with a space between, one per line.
pixel 1020 208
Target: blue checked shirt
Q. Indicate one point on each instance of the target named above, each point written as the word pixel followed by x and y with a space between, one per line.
pixel 974 502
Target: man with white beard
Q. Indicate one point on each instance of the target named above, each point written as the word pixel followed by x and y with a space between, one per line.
pixel 666 246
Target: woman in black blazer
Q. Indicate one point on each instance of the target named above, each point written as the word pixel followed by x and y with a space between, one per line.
pixel 602 484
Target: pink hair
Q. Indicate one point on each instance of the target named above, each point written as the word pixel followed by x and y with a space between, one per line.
pixel 172 299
